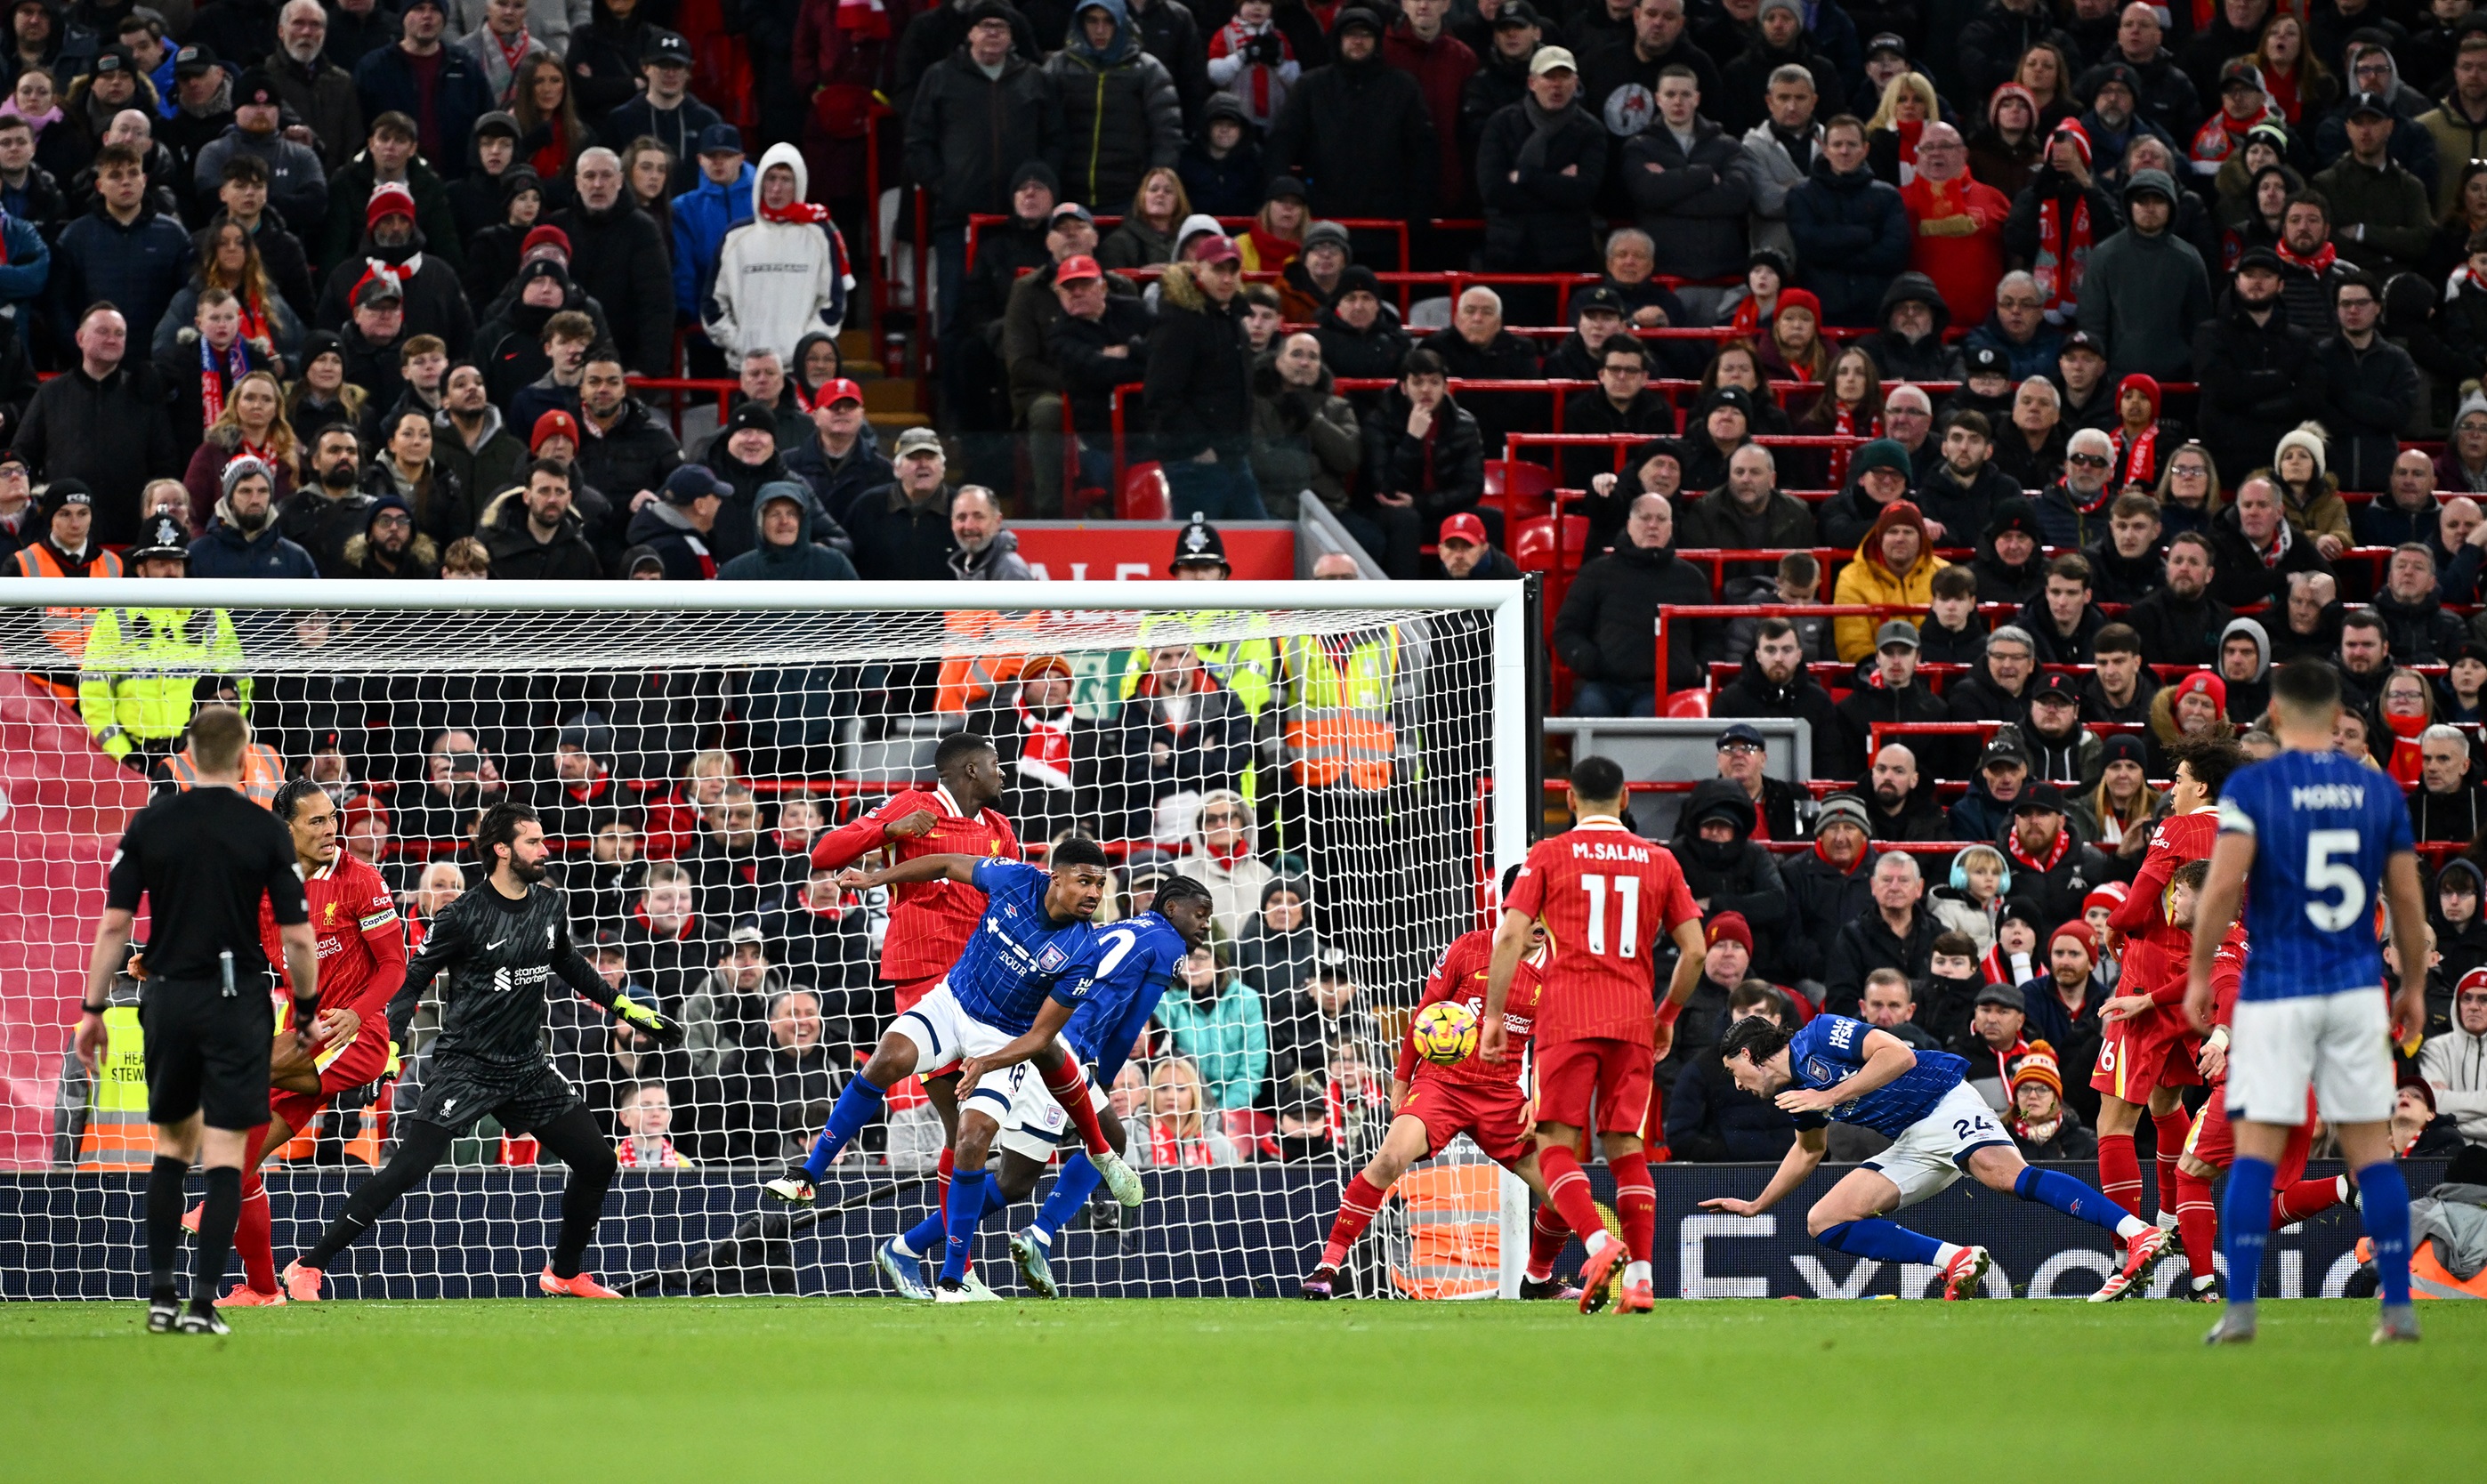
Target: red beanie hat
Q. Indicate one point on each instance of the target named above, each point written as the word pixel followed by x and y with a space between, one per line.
pixel 1733 927
pixel 388 199
pixel 555 421
pixel 2080 933
pixel 2203 683
pixel 2079 136
pixel 544 236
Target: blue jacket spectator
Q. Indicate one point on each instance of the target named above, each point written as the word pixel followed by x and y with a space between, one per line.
pixel 246 541
pixel 29 265
pixel 1846 216
pixel 702 217
pixel 1216 1019
pixel 138 262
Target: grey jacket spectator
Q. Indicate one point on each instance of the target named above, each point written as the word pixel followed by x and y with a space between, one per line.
pixel 1305 437
pixel 2146 290
pixel 1776 171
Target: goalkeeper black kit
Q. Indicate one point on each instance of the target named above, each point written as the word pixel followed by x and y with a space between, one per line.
pixel 501 958
pixel 501 955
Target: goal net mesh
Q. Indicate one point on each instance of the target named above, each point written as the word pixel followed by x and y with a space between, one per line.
pixel 1326 773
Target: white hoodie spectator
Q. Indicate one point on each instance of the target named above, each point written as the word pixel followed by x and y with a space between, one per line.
pixel 783 274
pixel 2455 1062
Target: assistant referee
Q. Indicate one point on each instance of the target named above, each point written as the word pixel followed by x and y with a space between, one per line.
pixel 202 859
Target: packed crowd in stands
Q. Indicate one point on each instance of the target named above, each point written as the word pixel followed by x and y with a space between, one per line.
pixel 2051 368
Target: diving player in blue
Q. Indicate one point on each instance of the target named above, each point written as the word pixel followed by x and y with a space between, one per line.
pixel 2311 839
pixel 1844 1070
pixel 1100 1008
pixel 1034 931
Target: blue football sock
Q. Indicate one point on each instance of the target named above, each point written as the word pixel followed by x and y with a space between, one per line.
pixel 1072 1188
pixel 968 1191
pixel 1883 1241
pixel 858 1104
pixel 2245 1227
pixel 2382 1202
pixel 2081 1202
pixel 925 1236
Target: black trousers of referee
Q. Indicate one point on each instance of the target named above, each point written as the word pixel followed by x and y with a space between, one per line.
pixel 572 1136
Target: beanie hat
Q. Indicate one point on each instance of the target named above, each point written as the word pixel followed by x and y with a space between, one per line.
pixel 389 198
pixel 1732 927
pixel 2107 894
pixel 2038 1065
pixel 1843 808
pixel 2306 435
pixel 545 239
pixel 242 468
pixel 2079 136
pixel 555 422
pixel 2077 931
pixel 2200 683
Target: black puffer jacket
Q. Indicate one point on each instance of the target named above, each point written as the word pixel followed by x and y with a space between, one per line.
pixel 1604 630
pixel 1753 693
pixel 1822 899
pixel 622 260
pixel 1359 137
pixel 1198 396
pixel 967 134
pixel 1121 117
pixel 1536 216
pixel 1693 205
pixel 517 555
pixel 2257 381
pixel 1446 476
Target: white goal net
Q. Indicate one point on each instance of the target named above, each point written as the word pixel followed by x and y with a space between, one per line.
pixel 1343 765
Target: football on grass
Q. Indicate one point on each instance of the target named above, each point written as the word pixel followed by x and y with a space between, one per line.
pixel 1447 1032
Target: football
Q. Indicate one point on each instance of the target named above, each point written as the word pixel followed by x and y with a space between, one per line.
pixel 1446 1032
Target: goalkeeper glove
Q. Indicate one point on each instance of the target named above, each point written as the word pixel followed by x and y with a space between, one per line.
pixel 663 1029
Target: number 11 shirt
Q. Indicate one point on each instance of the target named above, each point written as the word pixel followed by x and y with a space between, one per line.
pixel 2322 826
pixel 1608 898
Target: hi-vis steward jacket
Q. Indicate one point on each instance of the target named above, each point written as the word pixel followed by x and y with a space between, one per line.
pixel 143 666
pixel 1341 689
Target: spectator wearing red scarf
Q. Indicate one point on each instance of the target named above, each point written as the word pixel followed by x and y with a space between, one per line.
pixel 1955 225
pixel 2058 219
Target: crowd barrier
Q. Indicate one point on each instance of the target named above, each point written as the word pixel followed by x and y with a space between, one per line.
pixel 1244 1232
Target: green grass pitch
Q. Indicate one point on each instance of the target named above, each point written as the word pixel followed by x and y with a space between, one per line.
pixel 1212 1389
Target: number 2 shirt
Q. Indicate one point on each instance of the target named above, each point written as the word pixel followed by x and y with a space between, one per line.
pixel 2322 826
pixel 1608 898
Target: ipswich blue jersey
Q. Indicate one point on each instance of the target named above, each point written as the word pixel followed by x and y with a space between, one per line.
pixel 2322 825
pixel 1129 967
pixel 1831 1048
pixel 1018 953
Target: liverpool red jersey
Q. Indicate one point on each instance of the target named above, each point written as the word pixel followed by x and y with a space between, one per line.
pixel 1461 975
pixel 362 942
pixel 2158 953
pixel 929 922
pixel 1608 897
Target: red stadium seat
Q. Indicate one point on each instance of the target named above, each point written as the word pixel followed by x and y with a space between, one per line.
pixel 1682 704
pixel 1528 484
pixel 1533 541
pixel 1145 496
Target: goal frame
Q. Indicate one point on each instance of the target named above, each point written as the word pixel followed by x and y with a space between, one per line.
pixel 1509 808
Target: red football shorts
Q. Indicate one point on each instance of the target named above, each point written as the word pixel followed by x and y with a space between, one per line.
pixel 2214 1139
pixel 2151 1049
pixel 1497 1116
pixel 1615 1072
pixel 350 1065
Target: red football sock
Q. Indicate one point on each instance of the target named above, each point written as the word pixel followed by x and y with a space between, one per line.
pixel 1070 1088
pixel 251 1233
pixel 1636 1203
pixel 2305 1198
pixel 1567 1187
pixel 1357 1205
pixel 2198 1221
pixel 2119 1170
pixel 2169 1128
pixel 1548 1232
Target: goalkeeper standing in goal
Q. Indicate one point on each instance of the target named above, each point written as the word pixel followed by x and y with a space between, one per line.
pixel 502 943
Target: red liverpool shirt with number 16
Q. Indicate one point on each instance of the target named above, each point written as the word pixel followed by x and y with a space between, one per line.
pixel 1606 897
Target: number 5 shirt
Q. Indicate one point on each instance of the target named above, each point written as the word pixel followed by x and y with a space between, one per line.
pixel 1608 898
pixel 2322 826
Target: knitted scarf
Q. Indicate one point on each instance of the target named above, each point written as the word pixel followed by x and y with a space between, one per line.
pixel 2063 250
pixel 2141 461
pixel 2054 855
pixel 1044 754
pixel 2318 262
pixel 212 378
pixel 796 212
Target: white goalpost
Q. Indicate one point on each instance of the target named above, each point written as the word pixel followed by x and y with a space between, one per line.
pixel 1360 747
